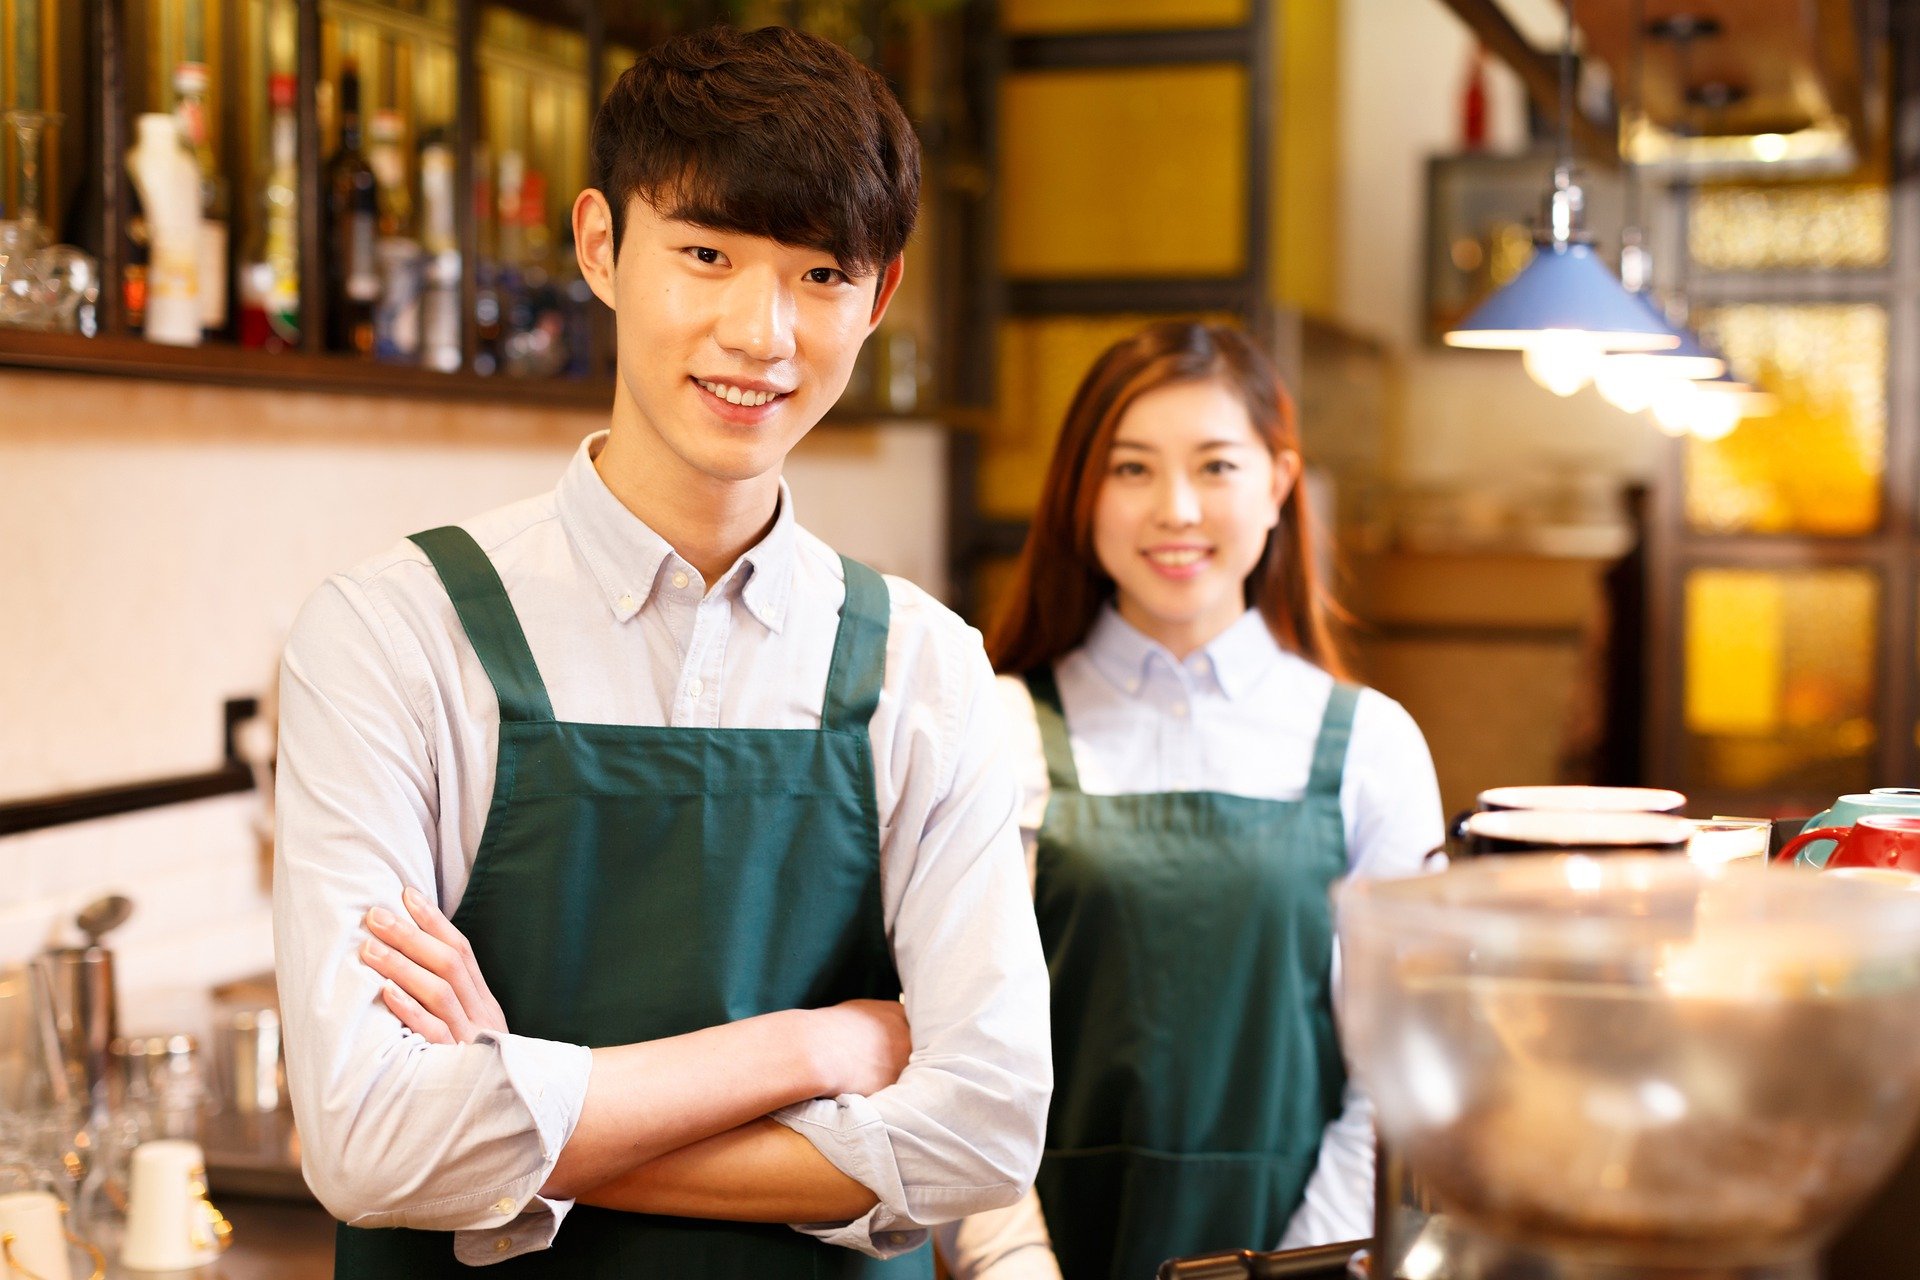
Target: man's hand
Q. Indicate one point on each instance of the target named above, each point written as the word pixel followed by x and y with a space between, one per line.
pixel 434 984
pixel 861 1046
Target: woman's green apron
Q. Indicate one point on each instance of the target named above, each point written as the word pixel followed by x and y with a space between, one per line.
pixel 1190 941
pixel 639 882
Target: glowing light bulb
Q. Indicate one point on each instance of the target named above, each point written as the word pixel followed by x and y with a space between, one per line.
pixel 1715 413
pixel 1561 361
pixel 1628 382
pixel 1673 407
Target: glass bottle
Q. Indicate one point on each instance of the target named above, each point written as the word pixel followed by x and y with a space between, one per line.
pixel 440 305
pixel 396 316
pixel 351 229
pixel 270 296
pixel 190 114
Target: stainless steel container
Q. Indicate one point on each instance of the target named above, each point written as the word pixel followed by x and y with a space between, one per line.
pixel 247 1061
pixel 80 983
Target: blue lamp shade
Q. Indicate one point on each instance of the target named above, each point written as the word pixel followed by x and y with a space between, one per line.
pixel 1566 288
pixel 1692 359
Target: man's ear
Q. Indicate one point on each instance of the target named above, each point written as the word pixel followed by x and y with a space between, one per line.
pixel 883 293
pixel 593 242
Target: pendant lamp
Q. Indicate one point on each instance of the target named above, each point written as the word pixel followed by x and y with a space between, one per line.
pixel 1565 302
pixel 1635 380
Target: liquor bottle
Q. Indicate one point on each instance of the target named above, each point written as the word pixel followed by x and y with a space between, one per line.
pixel 388 159
pixel 169 185
pixel 190 113
pixel 396 315
pixel 133 276
pixel 440 305
pixel 270 292
pixel 535 344
pixel 352 226
pixel 487 271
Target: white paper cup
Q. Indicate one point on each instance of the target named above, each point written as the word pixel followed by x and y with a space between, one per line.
pixel 170 1224
pixel 36 1240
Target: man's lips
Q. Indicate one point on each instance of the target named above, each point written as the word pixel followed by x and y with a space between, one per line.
pixel 746 394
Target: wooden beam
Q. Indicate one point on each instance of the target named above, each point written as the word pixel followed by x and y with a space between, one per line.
pixel 1538 71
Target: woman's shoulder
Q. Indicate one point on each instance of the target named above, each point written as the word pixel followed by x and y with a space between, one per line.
pixel 1016 699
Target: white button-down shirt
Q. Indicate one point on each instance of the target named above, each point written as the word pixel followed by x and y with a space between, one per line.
pixel 1242 716
pixel 388 735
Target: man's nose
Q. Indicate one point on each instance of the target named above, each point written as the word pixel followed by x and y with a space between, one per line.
pixel 756 317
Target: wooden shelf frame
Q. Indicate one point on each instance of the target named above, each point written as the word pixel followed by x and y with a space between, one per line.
pixel 106 101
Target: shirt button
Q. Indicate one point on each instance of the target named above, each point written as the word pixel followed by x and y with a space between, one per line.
pixel 694 689
pixel 503 1244
pixel 626 602
pixel 503 1205
pixel 1133 686
pixel 1179 708
pixel 679 579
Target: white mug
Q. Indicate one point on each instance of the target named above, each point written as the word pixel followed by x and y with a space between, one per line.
pixel 33 1241
pixel 171 1225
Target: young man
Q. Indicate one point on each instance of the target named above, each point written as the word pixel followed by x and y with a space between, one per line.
pixel 699 797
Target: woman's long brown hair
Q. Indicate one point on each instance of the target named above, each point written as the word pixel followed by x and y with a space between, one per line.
pixel 1059 586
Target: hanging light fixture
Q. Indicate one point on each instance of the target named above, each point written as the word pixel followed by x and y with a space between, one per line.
pixel 1565 309
pixel 1633 381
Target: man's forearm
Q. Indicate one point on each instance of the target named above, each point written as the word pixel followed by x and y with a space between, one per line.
pixel 759 1172
pixel 645 1100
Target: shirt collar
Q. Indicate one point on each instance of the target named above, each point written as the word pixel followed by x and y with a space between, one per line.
pixel 625 555
pixel 1243 653
pixel 1239 656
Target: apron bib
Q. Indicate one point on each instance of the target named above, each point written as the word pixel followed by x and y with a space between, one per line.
pixel 638 882
pixel 1189 938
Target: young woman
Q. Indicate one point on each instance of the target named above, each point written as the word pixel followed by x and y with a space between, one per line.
pixel 1197 773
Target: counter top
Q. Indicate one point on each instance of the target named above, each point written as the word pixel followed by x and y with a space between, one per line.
pixel 272 1240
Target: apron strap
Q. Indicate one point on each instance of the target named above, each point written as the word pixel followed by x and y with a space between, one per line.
pixel 1052 719
pixel 859 651
pixel 492 627
pixel 1330 751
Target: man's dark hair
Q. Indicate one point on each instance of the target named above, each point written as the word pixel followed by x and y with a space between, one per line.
pixel 770 132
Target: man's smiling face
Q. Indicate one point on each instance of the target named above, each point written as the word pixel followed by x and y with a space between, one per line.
pixel 732 346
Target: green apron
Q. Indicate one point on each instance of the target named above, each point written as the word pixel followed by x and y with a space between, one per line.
pixel 637 882
pixel 1190 942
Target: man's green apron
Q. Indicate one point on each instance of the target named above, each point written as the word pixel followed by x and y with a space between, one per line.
pixel 638 882
pixel 1190 942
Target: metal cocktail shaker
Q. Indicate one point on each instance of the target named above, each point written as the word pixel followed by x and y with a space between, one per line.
pixel 80 987
pixel 80 982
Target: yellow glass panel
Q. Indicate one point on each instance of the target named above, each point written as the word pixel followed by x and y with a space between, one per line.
pixel 1786 227
pixel 1814 466
pixel 1041 365
pixel 617 59
pixel 1026 16
pixel 1124 172
pixel 1779 679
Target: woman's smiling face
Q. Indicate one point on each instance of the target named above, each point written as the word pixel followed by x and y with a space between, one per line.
pixel 1190 495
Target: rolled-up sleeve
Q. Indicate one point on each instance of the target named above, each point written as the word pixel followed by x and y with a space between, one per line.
pixel 961 1130
pixel 395 1131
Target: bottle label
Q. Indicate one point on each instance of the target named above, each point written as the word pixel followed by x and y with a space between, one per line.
pixel 363 274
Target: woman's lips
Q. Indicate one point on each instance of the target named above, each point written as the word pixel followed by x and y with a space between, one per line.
pixel 1178 563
